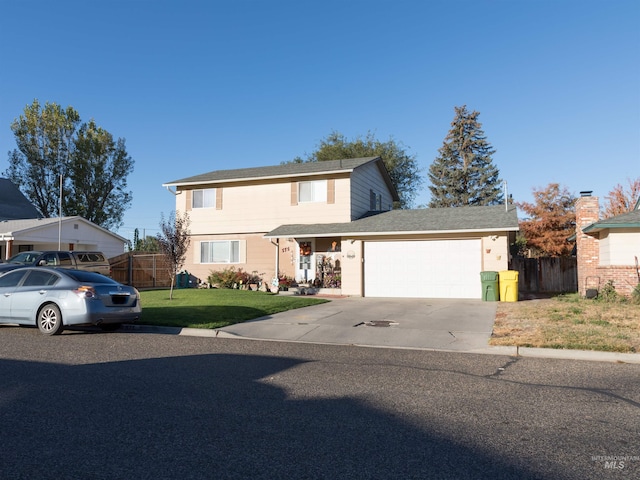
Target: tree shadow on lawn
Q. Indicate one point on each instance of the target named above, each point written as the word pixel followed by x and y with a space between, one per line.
pixel 211 416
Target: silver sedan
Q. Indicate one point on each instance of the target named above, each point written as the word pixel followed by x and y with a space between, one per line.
pixel 55 298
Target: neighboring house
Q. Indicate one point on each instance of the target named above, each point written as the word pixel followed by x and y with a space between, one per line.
pixel 332 222
pixel 13 204
pixel 607 250
pixel 67 233
pixel 23 228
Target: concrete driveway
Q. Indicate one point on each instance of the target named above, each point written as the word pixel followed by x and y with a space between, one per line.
pixel 439 324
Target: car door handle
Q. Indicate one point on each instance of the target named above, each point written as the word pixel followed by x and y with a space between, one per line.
pixel 42 292
pixel 7 294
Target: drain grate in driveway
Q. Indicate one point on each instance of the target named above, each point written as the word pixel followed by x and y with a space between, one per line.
pixel 378 323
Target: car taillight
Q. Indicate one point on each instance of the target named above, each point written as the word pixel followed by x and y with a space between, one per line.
pixel 85 291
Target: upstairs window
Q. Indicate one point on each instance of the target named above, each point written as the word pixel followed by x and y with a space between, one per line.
pixel 313 191
pixel 205 198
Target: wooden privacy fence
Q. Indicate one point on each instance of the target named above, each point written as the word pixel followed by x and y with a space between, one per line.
pixel 141 270
pixel 546 274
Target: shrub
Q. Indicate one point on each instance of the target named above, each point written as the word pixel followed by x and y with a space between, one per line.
pixel 635 295
pixel 228 278
pixel 255 277
pixel 608 293
pixel 285 282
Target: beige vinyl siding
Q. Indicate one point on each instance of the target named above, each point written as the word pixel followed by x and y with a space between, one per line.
pixel 619 247
pixel 495 252
pixel 256 254
pixel 252 208
pixel 352 268
pixel 363 180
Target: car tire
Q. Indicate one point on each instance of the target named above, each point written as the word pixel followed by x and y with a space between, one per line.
pixel 49 320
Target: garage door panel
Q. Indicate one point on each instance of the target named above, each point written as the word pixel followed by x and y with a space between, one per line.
pixel 427 269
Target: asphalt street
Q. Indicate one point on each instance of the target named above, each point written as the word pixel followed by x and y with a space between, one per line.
pixel 156 406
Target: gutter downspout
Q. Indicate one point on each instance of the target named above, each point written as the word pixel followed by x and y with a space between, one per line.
pixel 276 274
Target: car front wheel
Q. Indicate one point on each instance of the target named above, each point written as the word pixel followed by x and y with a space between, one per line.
pixel 50 320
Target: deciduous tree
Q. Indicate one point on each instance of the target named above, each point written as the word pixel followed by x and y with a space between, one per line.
pixel 173 241
pixel 53 145
pixel 551 221
pixel 44 137
pixel 463 173
pixel 621 200
pixel 403 168
pixel 97 177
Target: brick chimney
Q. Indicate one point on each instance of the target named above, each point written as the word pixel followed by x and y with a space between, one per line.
pixel 588 247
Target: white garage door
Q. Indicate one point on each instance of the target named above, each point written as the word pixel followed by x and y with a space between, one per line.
pixel 423 269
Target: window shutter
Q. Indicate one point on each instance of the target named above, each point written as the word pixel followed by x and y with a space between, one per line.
pixel 294 193
pixel 188 200
pixel 218 198
pixel 331 191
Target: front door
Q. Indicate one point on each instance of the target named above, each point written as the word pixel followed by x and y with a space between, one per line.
pixel 305 271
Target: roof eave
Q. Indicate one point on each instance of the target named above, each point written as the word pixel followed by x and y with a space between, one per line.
pixel 598 227
pixel 249 179
pixel 393 232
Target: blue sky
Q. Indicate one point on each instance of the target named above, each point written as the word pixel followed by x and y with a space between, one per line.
pixel 196 86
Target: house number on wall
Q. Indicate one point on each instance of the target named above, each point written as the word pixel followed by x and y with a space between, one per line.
pixel 351 254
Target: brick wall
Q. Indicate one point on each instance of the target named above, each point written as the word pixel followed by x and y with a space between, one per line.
pixel 590 274
pixel 588 247
pixel 624 278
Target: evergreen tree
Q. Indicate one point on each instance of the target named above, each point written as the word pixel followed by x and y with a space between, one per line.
pixel 463 174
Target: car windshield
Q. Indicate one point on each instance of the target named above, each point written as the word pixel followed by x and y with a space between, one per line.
pixel 24 257
pixel 89 277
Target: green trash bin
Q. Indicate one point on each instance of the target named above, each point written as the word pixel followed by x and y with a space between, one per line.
pixel 490 286
pixel 182 280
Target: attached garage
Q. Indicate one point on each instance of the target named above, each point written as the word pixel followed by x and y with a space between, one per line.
pixel 423 269
pixel 423 253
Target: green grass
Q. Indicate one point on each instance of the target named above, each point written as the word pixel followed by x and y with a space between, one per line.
pixel 214 308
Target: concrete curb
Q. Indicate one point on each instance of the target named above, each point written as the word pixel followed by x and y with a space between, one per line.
pixel 587 355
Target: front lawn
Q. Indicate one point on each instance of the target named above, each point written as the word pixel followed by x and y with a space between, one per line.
pixel 570 322
pixel 214 308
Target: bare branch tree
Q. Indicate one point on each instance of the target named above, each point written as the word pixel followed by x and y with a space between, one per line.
pixel 173 240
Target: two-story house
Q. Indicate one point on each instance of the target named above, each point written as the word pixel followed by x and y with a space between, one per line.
pixel 332 222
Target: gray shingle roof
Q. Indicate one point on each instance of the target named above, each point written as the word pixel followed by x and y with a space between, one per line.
pixel 22 226
pixel 427 220
pixel 13 204
pixel 283 170
pixel 624 220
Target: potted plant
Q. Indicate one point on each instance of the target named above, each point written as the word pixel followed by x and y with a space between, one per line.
pixel 254 280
